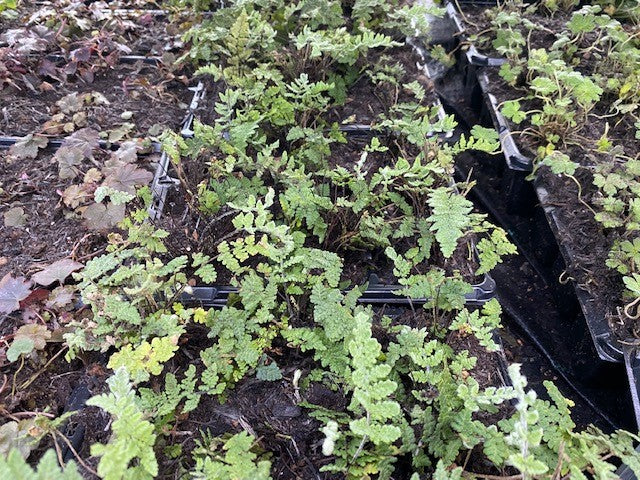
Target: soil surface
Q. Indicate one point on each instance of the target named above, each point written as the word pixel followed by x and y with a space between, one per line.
pixel 50 232
pixel 151 98
pixel 366 101
pixel 273 413
pixel 585 240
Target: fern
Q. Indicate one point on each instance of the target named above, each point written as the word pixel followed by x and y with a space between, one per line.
pixel 300 202
pixel 14 466
pixel 492 249
pixel 146 360
pixel 482 326
pixel 129 453
pixel 450 218
pixel 164 405
pixel 231 459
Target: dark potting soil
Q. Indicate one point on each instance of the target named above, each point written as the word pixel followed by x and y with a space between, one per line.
pixel 192 232
pixel 153 97
pixel 544 313
pixel 149 35
pixel 585 238
pixel 50 232
pixel 273 413
pixel 38 390
pixel 366 102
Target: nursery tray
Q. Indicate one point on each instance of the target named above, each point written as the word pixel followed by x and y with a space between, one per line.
pixel 608 347
pixel 217 295
pixel 523 209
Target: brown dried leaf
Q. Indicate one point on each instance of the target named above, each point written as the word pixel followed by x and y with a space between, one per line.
pixel 38 334
pixel 27 147
pixel 71 103
pixel 56 272
pixel 61 297
pixel 127 178
pixel 74 149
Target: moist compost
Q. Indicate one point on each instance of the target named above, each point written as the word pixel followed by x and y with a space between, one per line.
pixel 277 414
pixel 51 232
pixel 587 242
pixel 148 94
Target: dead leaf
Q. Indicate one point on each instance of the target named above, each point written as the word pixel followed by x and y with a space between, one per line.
pixel 15 217
pixel 119 133
pixel 82 54
pixel 61 297
pixel 38 334
pixel 93 175
pixel 35 296
pixel 12 291
pixel 27 147
pixel 74 149
pixel 128 152
pixel 127 178
pixel 56 272
pixel 75 195
pixel 71 103
pixel 101 217
pixel 80 119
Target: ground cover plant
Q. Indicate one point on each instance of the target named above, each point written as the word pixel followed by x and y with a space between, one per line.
pixel 570 88
pixel 293 377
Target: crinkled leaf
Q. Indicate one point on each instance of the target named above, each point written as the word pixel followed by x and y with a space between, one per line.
pixel 74 149
pixel 38 334
pixel 20 346
pixel 61 297
pixel 122 131
pixel 56 272
pixel 71 103
pixel 27 147
pixel 100 217
pixel 14 435
pixel 127 178
pixel 15 217
pixel 269 373
pixel 12 291
pixel 75 195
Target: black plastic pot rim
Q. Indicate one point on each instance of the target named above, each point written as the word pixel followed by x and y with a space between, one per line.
pixel 217 296
pixel 56 142
pixel 472 53
pixel 124 59
pixel 607 347
pixel 515 159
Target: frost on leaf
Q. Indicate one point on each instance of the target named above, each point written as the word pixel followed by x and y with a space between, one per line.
pixel 57 271
pixel 12 291
pixel 28 147
pixel 100 217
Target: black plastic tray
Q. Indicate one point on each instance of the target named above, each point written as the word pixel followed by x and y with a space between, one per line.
pixel 217 295
pixel 538 239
